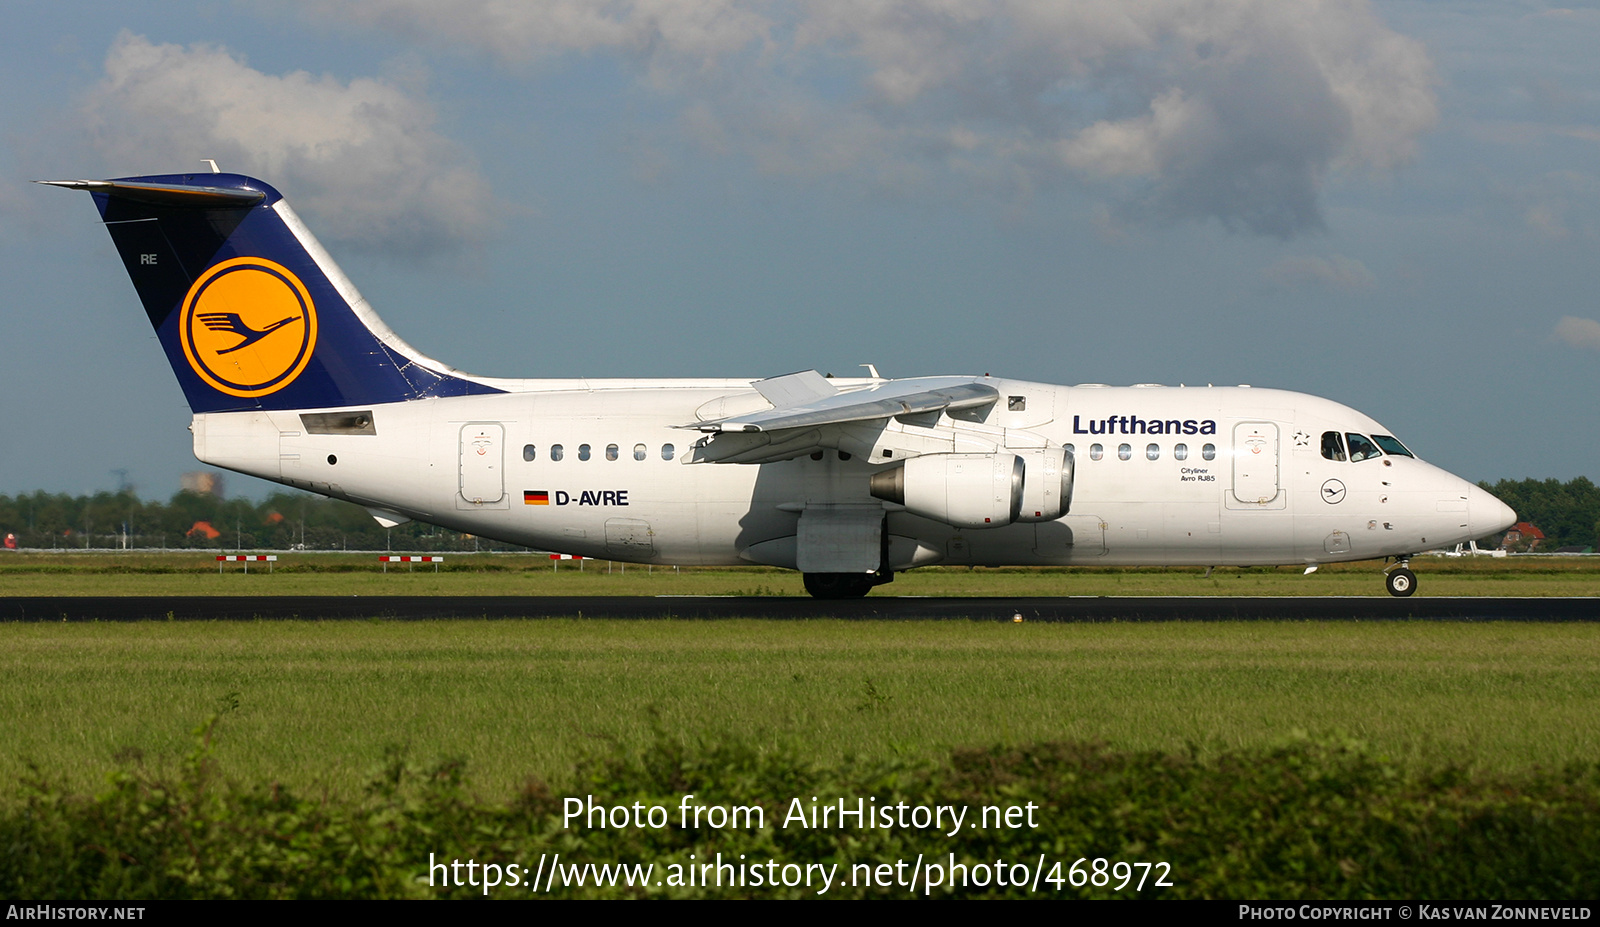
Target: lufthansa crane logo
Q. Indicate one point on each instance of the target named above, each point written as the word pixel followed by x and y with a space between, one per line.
pixel 248 327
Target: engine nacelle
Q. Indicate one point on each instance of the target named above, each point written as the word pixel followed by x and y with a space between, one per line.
pixel 964 490
pixel 1046 484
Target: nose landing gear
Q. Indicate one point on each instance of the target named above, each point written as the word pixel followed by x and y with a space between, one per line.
pixel 1400 580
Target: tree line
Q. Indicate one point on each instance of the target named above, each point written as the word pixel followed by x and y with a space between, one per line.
pixel 1568 513
pixel 282 521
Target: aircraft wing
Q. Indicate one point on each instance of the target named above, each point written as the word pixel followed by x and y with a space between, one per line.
pixel 893 398
pixel 806 405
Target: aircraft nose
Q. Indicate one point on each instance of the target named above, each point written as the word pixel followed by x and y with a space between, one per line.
pixel 1486 514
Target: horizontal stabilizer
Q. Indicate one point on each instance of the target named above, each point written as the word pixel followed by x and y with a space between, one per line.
pixel 161 194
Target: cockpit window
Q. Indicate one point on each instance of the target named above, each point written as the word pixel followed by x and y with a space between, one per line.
pixel 1332 445
pixel 1391 446
pixel 1362 448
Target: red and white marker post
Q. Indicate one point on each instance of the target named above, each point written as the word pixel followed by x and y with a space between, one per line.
pixel 246 559
pixel 388 559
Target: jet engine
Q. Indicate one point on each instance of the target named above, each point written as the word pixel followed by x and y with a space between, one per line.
pixel 964 490
pixel 1046 484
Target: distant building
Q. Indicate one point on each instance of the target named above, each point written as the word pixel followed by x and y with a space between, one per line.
pixel 202 482
pixel 203 529
pixel 1523 531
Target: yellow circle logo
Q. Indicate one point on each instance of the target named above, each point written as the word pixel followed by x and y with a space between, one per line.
pixel 248 327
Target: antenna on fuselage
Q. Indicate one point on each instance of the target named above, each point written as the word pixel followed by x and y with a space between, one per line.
pixel 213 163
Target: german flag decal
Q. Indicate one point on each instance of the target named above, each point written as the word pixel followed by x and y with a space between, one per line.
pixel 535 497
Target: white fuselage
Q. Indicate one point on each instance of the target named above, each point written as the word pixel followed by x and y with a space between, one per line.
pixel 1209 475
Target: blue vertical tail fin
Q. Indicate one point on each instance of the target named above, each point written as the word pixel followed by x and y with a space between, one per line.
pixel 250 309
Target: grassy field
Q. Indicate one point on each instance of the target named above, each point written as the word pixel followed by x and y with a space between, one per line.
pixel 195 573
pixel 320 702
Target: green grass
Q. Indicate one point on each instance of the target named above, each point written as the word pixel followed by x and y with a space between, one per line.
pixel 195 573
pixel 320 702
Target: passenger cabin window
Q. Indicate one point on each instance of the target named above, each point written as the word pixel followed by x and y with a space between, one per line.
pixel 1392 447
pixel 1124 452
pixel 1016 403
pixel 1209 452
pixel 529 453
pixel 640 452
pixel 1071 449
pixel 1180 452
pixel 1152 452
pixel 611 452
pixel 1332 445
pixel 583 452
pixel 556 452
pixel 1361 448
pixel 1096 451
pixel 667 451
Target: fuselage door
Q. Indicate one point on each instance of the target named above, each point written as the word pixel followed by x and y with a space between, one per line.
pixel 482 464
pixel 630 539
pixel 1255 463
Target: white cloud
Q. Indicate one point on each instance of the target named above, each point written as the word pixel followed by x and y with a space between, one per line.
pixel 1566 16
pixel 1559 205
pixel 11 201
pixel 1234 110
pixel 519 31
pixel 1546 219
pixel 1338 272
pixel 1580 333
pixel 361 157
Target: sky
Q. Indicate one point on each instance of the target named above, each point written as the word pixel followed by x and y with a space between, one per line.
pixel 1395 205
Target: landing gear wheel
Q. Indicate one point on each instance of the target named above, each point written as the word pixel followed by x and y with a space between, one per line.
pixel 839 585
pixel 1401 582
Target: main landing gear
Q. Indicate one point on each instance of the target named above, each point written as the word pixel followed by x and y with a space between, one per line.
pixel 844 585
pixel 853 585
pixel 1400 580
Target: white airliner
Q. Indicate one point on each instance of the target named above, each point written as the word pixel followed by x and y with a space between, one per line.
pixel 293 378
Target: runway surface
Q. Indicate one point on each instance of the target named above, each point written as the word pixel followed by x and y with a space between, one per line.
pixel 872 608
